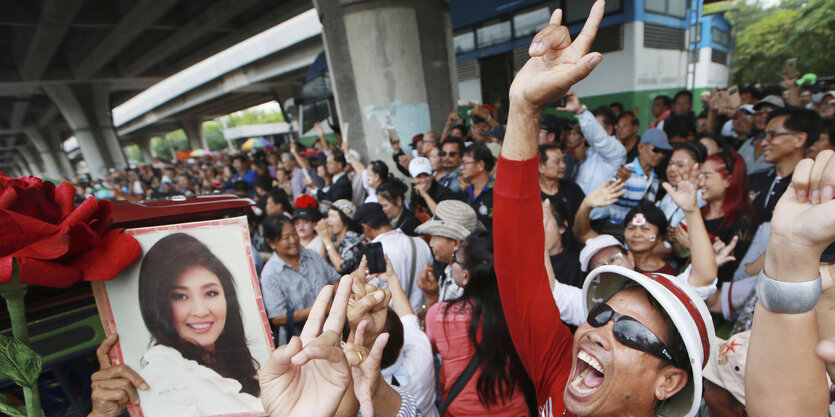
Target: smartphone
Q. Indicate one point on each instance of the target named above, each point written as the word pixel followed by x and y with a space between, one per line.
pixel 560 103
pixel 374 257
pixel 791 68
pixel 733 97
pixel 393 134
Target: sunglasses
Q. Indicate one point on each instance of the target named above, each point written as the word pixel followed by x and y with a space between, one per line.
pixel 658 150
pixel 450 153
pixel 629 331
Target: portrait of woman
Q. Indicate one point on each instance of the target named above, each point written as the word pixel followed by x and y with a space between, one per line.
pixel 198 362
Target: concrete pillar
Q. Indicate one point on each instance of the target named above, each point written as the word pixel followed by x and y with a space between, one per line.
pixel 193 126
pixel 32 160
pixel 49 151
pixel 23 168
pixel 86 107
pixel 144 144
pixel 391 64
pixel 56 137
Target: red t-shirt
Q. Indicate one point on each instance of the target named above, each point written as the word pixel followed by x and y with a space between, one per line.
pixel 448 332
pixel 544 343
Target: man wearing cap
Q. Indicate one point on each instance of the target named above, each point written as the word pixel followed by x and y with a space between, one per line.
pixel 752 148
pixel 407 254
pixel 605 155
pixel 496 135
pixel 427 193
pixel 453 221
pixel 642 184
pixel 650 359
pixel 787 135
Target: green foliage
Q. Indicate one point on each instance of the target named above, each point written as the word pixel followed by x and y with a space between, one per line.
pixel 214 136
pixel 803 29
pixel 134 154
pixel 253 117
pixel 161 149
pixel 178 140
pixel 18 362
pixel 7 408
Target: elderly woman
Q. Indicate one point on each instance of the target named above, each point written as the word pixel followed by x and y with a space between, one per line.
pixel 339 234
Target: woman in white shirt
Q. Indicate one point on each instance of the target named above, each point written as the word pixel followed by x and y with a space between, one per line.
pixel 199 363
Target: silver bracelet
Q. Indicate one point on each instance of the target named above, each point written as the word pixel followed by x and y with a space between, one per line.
pixel 788 297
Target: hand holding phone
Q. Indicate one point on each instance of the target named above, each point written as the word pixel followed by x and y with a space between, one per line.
pixel 375 258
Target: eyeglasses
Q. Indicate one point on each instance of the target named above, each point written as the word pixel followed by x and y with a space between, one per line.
pixel 450 153
pixel 467 162
pixel 456 261
pixel 629 331
pixel 771 134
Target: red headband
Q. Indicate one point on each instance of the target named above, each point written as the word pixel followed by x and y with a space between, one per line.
pixel 691 308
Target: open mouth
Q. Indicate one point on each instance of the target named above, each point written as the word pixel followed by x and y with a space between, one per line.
pixel 588 377
pixel 200 328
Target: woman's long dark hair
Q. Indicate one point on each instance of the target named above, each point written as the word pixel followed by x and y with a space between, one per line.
pixel 501 369
pixel 169 258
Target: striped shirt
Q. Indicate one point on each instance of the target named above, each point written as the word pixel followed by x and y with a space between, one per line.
pixel 638 188
pixel 283 288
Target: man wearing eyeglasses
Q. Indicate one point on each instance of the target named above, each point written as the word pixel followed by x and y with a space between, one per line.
pixel 649 360
pixel 789 131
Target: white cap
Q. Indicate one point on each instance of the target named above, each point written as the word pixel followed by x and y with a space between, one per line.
pixel 593 246
pixel 687 311
pixel 726 366
pixel 420 165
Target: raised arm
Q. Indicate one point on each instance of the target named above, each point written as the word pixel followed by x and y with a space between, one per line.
pixel 346 149
pixel 555 65
pixel 702 256
pixel 605 195
pixel 782 375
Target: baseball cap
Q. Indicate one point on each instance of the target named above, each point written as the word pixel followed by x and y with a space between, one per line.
pixel 420 165
pixel 686 310
pixel 726 366
pixel 306 207
pixel 593 246
pixel 497 132
pixel 657 138
pixel 747 108
pixel 828 93
pixel 453 219
pixel 770 100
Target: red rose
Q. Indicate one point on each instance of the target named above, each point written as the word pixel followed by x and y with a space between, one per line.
pixel 54 243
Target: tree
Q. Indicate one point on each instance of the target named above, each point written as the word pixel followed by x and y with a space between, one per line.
pixel 803 29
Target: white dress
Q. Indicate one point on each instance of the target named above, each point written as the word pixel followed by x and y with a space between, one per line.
pixel 182 387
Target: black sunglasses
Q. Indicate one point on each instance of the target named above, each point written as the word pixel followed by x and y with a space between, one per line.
pixel 658 150
pixel 450 153
pixel 629 331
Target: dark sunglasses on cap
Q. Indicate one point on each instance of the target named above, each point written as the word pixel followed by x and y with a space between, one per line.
pixel 629 331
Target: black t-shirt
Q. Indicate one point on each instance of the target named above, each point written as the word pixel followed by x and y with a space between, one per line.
pixel 569 194
pixel 437 191
pixel 566 266
pixel 483 204
pixel 764 189
pixel 407 223
pixel 744 228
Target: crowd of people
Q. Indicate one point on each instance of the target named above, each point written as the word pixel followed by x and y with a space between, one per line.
pixel 518 235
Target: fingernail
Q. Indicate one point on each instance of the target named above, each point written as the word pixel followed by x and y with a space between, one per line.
pixel 827 348
pixel 827 193
pixel 378 296
pixel 801 196
pixel 536 48
pixel 816 196
pixel 143 387
pixel 594 60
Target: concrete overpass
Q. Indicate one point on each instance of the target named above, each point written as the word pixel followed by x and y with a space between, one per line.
pixel 64 64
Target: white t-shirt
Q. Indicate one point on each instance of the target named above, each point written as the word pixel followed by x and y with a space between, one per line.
pixel 413 368
pixel 398 249
pixel 182 387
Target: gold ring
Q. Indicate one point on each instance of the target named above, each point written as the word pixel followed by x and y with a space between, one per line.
pixel 358 353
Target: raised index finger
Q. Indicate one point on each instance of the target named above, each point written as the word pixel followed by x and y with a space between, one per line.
pixel 584 40
pixel 317 315
pixel 336 318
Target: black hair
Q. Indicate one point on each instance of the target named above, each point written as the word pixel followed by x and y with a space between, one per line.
pixel 696 150
pixel 632 118
pixel 240 157
pixel 265 182
pixel 279 196
pixel 829 128
pixel 543 151
pixel 394 327
pixel 393 188
pixel 380 168
pixel 339 157
pixel 371 214
pixel 460 127
pixel 481 153
pixel 653 214
pixel 679 125
pixel 800 119
pixel 457 141
pixel 164 263
pixel 240 185
pixel 609 118
pixel 501 369
pixel 273 226
pixel 687 93
pixel 618 105
pixel 668 102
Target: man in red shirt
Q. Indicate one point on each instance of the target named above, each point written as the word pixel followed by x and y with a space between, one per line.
pixel 650 360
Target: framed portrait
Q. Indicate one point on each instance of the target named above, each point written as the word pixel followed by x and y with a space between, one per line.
pixel 190 320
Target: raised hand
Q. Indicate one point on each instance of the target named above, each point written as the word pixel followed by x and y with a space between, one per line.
pixel 803 223
pixel 623 174
pixel 453 117
pixel 426 280
pixel 309 375
pixel 607 194
pixel 324 231
pixel 556 62
pixel 365 367
pixel 723 252
pixel 113 386
pixel 684 194
pixel 371 308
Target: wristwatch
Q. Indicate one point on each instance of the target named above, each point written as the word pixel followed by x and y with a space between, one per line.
pixel 582 109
